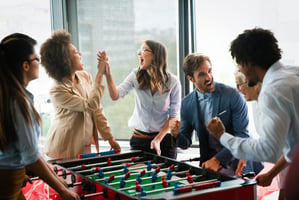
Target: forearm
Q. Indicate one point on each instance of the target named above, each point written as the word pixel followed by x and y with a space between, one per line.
pixel 42 170
pixel 111 87
pixel 224 156
pixel 164 130
pixel 278 167
pixel 249 148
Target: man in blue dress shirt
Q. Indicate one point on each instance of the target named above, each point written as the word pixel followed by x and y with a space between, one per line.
pixel 208 99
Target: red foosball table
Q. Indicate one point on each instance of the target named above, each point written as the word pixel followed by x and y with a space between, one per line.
pixel 142 175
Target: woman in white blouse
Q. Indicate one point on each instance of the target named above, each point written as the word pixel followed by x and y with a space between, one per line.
pixel 157 100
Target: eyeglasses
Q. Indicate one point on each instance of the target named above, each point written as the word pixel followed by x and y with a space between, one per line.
pixel 143 50
pixel 240 84
pixel 34 59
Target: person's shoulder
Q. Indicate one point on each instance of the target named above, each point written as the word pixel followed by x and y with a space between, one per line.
pixel 134 71
pixel 173 77
pixel 189 96
pixel 83 74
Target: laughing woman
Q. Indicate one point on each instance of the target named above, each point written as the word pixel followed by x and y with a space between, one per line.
pixel 157 100
pixel 79 115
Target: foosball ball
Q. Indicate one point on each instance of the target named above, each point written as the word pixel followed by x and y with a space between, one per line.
pixel 142 175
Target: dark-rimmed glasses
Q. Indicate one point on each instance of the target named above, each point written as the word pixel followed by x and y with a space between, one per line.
pixel 34 59
pixel 240 84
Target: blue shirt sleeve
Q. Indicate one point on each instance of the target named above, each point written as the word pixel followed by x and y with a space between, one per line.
pixel 27 144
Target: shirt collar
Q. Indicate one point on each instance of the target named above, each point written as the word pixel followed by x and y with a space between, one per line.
pixel 203 96
pixel 272 69
pixel 30 95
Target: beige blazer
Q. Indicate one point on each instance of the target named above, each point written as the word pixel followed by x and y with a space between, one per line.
pixel 67 137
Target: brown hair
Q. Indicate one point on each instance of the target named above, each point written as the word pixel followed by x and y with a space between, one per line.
pixel 55 55
pixel 13 53
pixel 155 76
pixel 194 61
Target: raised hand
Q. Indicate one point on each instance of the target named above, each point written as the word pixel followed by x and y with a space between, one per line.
pixel 216 128
pixel 102 62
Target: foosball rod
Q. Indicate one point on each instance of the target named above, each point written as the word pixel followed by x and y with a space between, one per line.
pixel 104 153
pixel 125 170
pixel 180 190
pixel 91 195
pixel 128 173
pixel 163 182
pixel 147 178
pixel 108 162
pixel 97 169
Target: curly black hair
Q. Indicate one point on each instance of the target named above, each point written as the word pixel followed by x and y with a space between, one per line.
pixel 55 55
pixel 256 46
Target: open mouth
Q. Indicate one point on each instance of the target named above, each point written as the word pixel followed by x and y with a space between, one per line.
pixel 209 83
pixel 141 61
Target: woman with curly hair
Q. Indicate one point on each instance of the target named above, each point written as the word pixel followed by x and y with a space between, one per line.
pixel 157 100
pixel 79 115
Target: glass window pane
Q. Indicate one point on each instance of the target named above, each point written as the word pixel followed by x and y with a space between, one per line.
pixel 219 22
pixel 120 27
pixel 31 17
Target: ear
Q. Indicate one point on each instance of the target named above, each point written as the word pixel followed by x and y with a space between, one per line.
pixel 26 66
pixel 190 78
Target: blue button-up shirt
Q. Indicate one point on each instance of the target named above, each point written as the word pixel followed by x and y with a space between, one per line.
pixel 25 150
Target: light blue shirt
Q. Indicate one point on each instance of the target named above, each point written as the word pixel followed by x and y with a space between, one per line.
pixel 278 124
pixel 152 111
pixel 25 150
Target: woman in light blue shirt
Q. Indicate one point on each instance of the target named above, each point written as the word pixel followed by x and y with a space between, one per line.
pixel 19 123
pixel 157 100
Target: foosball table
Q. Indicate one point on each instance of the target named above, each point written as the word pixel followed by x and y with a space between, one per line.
pixel 142 175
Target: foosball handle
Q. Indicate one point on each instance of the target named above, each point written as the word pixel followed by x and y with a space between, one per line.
pixel 104 153
pixel 248 175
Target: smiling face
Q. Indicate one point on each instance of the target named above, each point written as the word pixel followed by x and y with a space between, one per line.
pixel 75 57
pixel 145 55
pixel 203 78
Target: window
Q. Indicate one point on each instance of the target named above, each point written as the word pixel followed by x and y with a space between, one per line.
pixel 120 27
pixel 31 17
pixel 219 22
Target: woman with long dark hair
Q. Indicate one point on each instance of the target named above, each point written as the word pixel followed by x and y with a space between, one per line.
pixel 19 123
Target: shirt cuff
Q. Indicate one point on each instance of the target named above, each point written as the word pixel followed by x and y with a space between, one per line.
pixel 225 137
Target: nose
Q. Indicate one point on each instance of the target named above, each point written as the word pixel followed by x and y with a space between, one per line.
pixel 209 76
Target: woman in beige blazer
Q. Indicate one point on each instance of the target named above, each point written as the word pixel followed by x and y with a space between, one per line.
pixel 79 115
